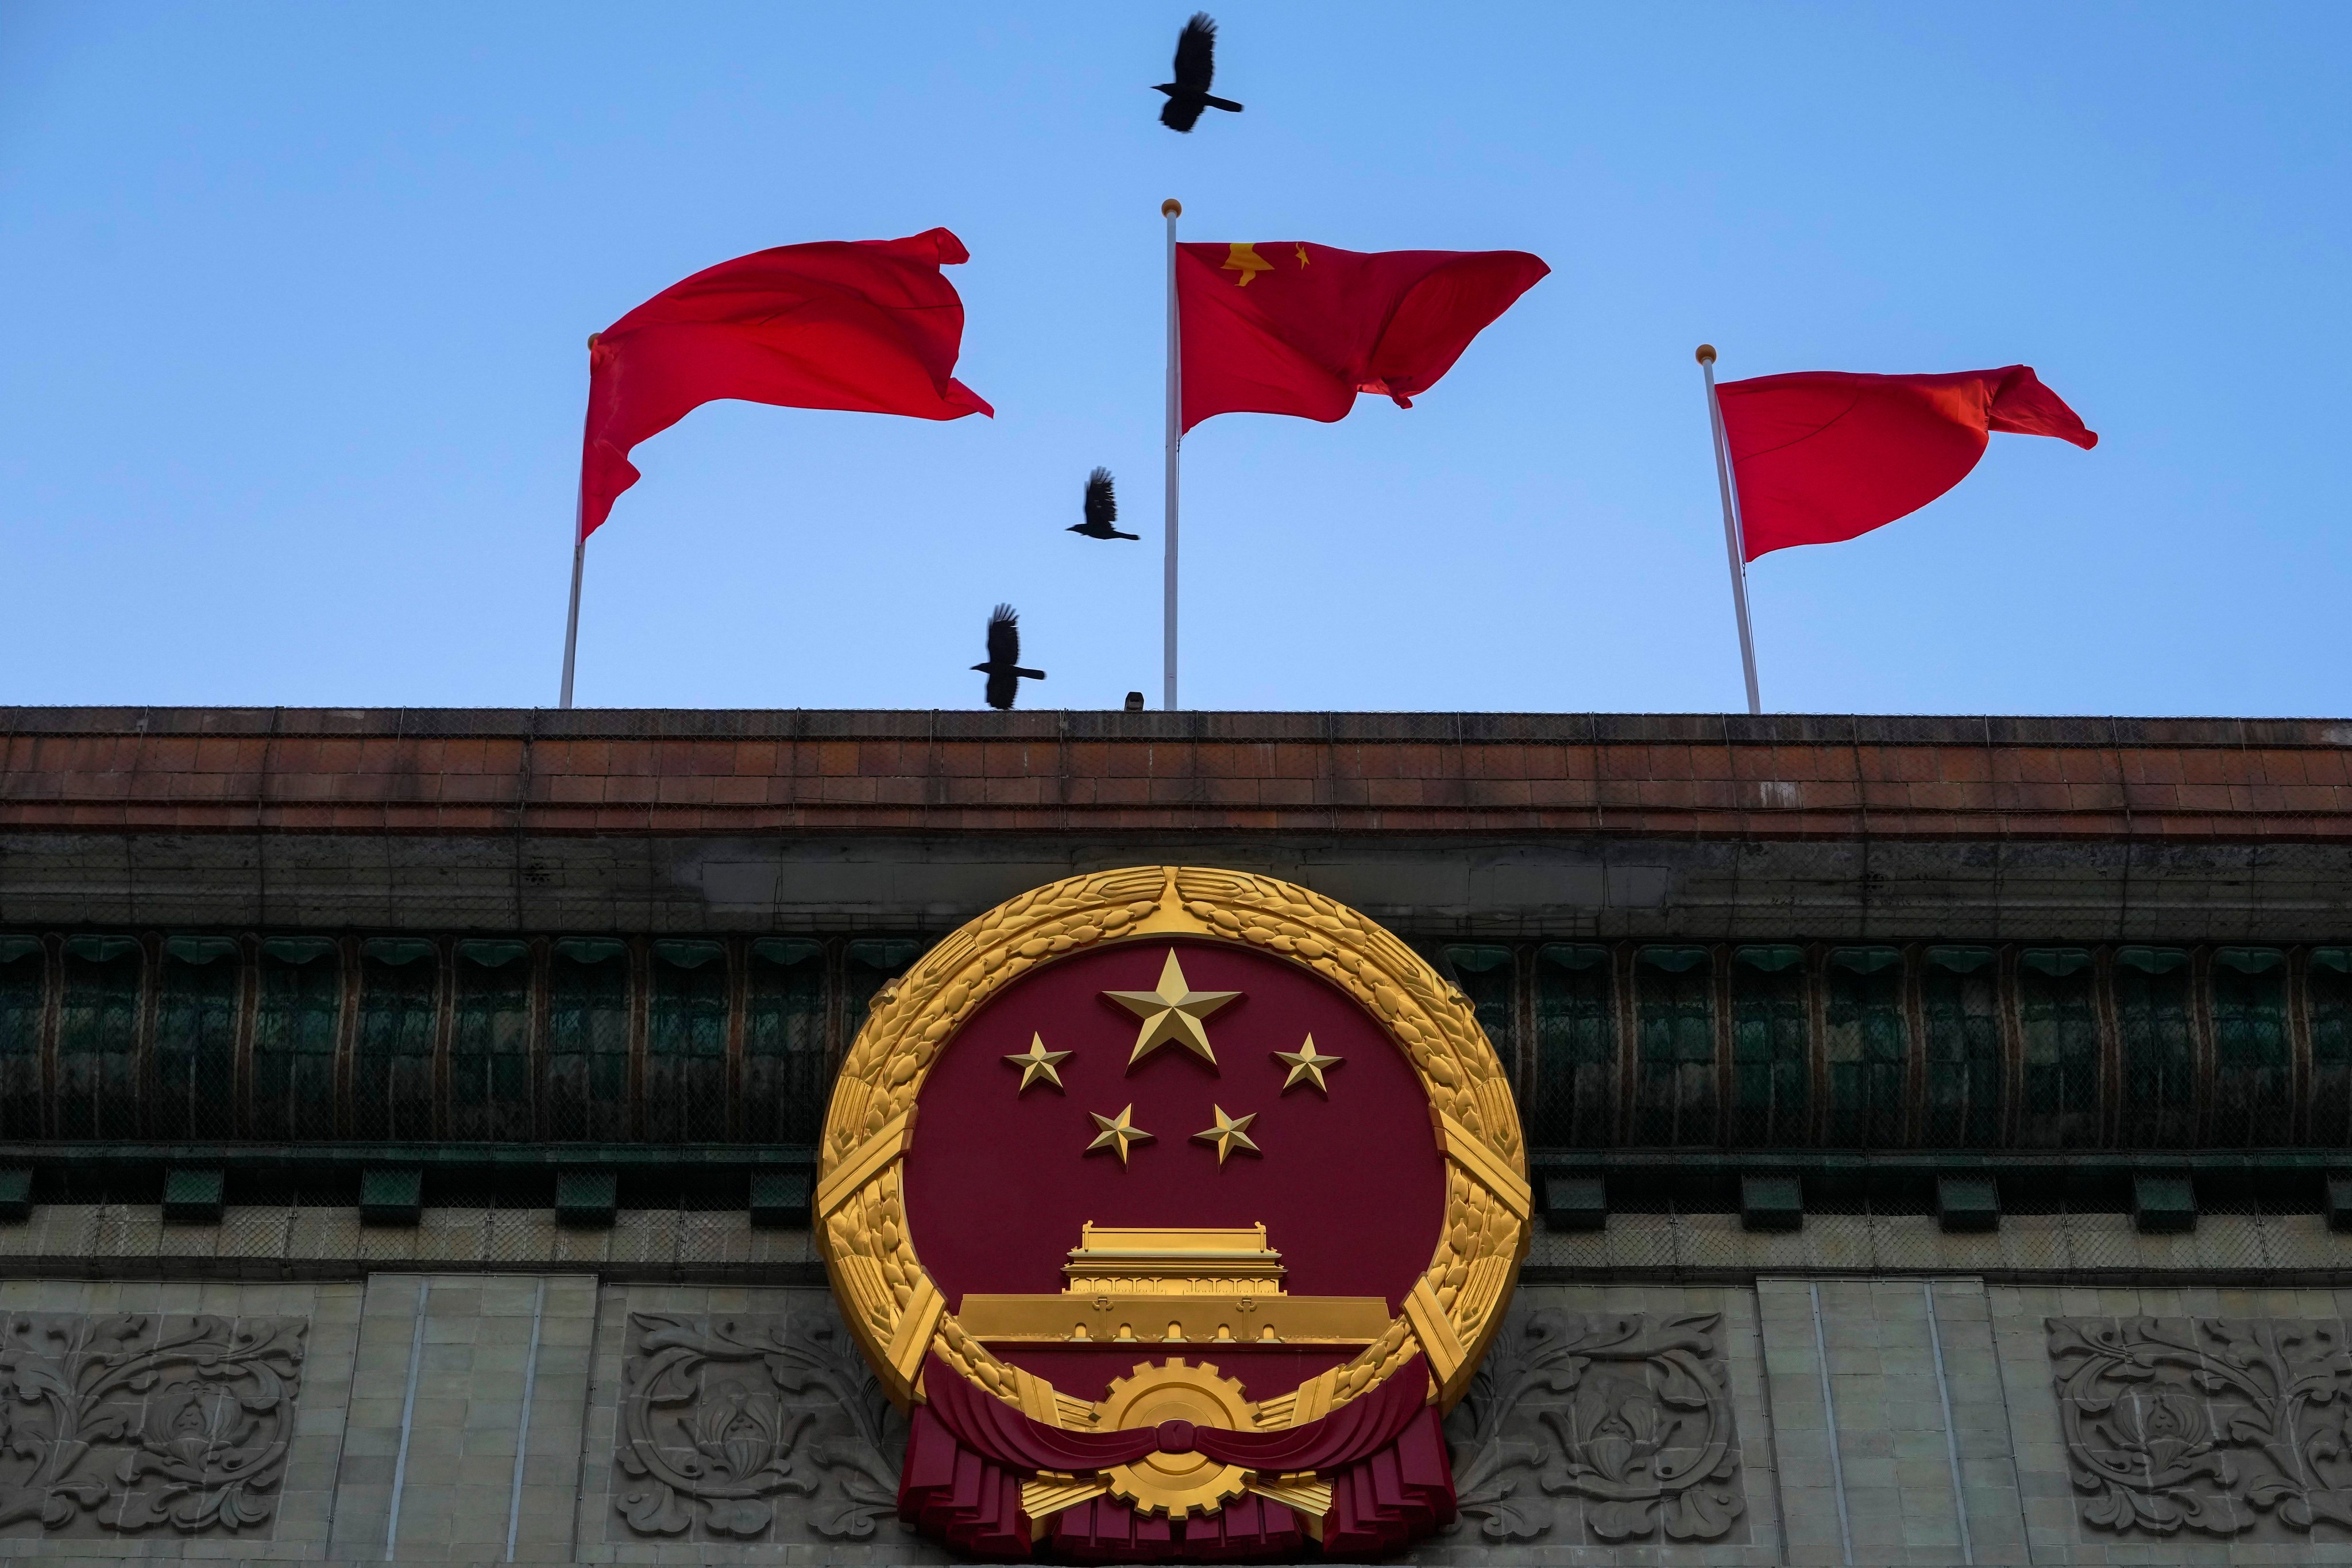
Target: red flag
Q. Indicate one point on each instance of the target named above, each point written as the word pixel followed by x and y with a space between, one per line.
pixel 868 325
pixel 1282 327
pixel 1822 455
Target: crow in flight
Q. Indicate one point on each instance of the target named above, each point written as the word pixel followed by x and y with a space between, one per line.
pixel 1102 510
pixel 1004 666
pixel 1196 67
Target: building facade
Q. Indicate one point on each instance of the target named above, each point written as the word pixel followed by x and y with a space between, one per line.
pixel 1942 1128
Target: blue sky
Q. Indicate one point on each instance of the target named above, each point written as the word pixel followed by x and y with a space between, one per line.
pixel 290 405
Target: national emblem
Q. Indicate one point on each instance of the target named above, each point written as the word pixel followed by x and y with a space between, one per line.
pixel 1348 1277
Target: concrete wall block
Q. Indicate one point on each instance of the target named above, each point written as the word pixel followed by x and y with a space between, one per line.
pixel 460 1383
pixel 1897 1427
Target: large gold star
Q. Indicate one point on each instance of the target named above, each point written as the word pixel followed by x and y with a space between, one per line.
pixel 1171 1013
pixel 1117 1134
pixel 1306 1066
pixel 1037 1062
pixel 1230 1133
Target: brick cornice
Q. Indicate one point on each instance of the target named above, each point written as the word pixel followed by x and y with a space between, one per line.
pixel 703 772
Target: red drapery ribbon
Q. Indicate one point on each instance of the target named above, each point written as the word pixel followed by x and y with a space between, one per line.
pixel 967 1452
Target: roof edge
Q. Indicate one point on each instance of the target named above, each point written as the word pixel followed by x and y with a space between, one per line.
pixel 1210 725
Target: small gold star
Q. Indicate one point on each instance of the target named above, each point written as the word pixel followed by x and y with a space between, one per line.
pixel 1117 1134
pixel 1037 1062
pixel 1306 1066
pixel 1230 1133
pixel 1171 1013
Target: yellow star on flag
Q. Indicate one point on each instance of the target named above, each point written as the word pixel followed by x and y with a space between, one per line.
pixel 1037 1062
pixel 1117 1134
pixel 1306 1066
pixel 1171 1013
pixel 1230 1133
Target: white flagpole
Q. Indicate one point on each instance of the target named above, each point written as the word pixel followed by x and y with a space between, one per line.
pixel 571 626
pixel 1733 541
pixel 578 559
pixel 1172 209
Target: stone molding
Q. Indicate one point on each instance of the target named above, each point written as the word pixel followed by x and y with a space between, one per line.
pixel 2220 1427
pixel 279 1242
pixel 122 1423
pixel 723 1419
pixel 1628 1413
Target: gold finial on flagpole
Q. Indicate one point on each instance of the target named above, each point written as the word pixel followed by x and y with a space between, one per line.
pixel 1706 354
pixel 592 338
pixel 1171 207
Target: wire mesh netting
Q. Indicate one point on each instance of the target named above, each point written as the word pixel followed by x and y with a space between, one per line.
pixel 1572 1095
pixel 188 1037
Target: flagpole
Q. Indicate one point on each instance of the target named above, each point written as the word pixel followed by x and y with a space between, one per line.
pixel 1172 209
pixel 571 626
pixel 579 536
pixel 1734 540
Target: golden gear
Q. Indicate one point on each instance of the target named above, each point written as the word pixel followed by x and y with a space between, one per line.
pixel 1175 1484
pixel 889 1298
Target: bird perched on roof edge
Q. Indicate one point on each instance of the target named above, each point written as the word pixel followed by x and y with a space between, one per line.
pixel 1102 510
pixel 1004 666
pixel 1195 68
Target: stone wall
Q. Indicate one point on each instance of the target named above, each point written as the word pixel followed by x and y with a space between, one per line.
pixel 463 1439
pixel 545 1418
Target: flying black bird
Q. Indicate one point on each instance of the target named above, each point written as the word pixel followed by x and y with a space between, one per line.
pixel 1196 67
pixel 1102 510
pixel 1004 666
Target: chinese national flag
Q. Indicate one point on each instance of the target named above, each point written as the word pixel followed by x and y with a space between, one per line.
pixel 1823 455
pixel 869 325
pixel 1284 327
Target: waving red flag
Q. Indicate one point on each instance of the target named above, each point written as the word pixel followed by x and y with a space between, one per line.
pixel 870 326
pixel 1823 455
pixel 1284 327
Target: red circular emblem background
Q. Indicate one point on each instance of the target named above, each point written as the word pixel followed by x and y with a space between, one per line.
pixel 998 1181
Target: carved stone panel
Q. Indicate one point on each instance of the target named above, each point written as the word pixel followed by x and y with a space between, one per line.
pixel 1598 1429
pixel 751 1429
pixel 117 1424
pixel 2218 1427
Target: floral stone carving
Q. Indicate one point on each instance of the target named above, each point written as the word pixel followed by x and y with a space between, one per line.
pixel 723 1420
pixel 2218 1425
pixel 124 1422
pixel 1624 1417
